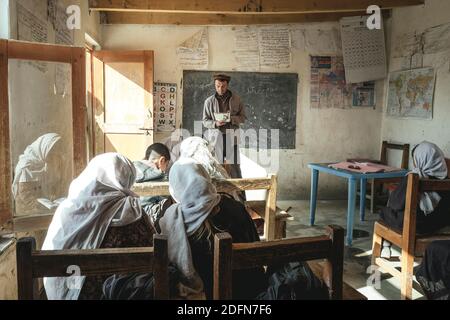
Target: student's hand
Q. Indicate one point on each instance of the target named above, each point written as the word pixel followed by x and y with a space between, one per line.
pixel 220 123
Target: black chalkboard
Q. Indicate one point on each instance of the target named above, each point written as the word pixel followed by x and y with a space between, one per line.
pixel 270 101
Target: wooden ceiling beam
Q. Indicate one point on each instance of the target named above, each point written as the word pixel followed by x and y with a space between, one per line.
pixel 246 6
pixel 222 19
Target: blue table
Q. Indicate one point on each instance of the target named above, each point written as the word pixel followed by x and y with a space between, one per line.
pixel 353 178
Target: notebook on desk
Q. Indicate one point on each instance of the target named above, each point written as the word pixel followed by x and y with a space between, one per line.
pixel 363 167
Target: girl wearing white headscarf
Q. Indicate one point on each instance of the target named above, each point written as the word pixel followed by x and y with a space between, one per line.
pixel 433 210
pixel 98 199
pixel 30 173
pixel 191 222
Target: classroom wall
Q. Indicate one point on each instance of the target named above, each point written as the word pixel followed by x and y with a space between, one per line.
pixel 4 20
pixel 322 135
pixel 413 131
pixel 36 109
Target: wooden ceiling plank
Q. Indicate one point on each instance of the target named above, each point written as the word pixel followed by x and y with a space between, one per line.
pixel 222 19
pixel 246 6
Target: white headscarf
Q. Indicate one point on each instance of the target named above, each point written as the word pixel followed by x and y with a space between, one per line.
pixel 198 149
pixel 429 162
pixel 32 163
pixel 196 197
pixel 100 197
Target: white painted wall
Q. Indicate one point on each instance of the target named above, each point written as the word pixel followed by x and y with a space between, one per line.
pixel 417 19
pixel 4 19
pixel 322 135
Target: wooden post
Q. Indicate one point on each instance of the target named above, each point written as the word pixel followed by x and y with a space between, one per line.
pixel 5 156
pixel 160 268
pixel 223 264
pixel 376 246
pixel 409 236
pixel 271 208
pixel 79 110
pixel 405 156
pixel 98 104
pixel 335 264
pixel 26 285
pixel 383 158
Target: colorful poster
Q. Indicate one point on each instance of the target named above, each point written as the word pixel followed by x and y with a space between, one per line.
pixel 165 102
pixel 329 88
pixel 411 93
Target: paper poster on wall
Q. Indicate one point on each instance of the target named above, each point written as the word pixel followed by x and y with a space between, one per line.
pixel 328 86
pixel 194 52
pixel 246 53
pixel 165 104
pixel 363 50
pixel 275 47
pixel 411 93
pixel 33 29
pixel 363 95
pixel 322 41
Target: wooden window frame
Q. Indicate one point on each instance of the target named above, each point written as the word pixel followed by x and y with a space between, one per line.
pixel 75 56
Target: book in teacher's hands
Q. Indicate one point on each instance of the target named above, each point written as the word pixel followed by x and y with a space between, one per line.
pixel 223 117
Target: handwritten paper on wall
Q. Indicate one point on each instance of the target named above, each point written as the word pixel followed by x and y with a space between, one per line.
pixel 33 29
pixel 364 51
pixel 247 48
pixel 193 53
pixel 275 47
pixel 165 101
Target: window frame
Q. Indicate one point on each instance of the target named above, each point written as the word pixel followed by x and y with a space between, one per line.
pixel 20 50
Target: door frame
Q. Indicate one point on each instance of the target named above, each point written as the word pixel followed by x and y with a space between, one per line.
pixel 75 56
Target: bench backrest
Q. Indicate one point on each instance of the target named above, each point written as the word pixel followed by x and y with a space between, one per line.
pixel 230 256
pixel 33 264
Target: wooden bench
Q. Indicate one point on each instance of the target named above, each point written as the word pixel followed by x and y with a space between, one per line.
pixel 230 256
pixel 32 264
pixel 411 245
pixel 274 219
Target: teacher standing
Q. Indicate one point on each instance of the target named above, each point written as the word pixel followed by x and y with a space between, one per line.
pixel 224 135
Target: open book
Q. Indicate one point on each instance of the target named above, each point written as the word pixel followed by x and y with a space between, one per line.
pixel 224 117
pixel 50 204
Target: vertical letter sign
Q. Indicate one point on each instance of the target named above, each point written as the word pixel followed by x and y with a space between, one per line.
pixel 165 106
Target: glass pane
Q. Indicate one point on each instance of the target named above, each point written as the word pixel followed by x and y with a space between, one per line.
pixel 40 108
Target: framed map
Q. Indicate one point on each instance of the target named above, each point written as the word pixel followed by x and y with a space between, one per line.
pixel 411 93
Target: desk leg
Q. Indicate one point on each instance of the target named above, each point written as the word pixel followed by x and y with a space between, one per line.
pixel 351 210
pixel 362 199
pixel 313 200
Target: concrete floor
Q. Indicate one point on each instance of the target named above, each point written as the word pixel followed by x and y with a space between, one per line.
pixel 357 257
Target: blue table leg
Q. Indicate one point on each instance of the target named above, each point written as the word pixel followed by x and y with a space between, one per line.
pixel 362 200
pixel 351 209
pixel 313 200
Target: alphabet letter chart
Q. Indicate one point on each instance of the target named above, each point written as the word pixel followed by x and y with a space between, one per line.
pixel 165 102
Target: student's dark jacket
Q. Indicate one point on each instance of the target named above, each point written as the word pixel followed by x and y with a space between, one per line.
pixel 393 213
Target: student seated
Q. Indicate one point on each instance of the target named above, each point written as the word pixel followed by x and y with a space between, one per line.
pixel 433 210
pixel 190 225
pixel 155 165
pixel 433 273
pixel 100 211
pixel 199 150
